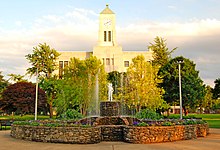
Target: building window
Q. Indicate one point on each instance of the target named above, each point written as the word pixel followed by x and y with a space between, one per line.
pixel 66 64
pixel 103 61
pixel 60 69
pixel 107 61
pixel 109 36
pixel 113 61
pixel 105 36
pixel 126 63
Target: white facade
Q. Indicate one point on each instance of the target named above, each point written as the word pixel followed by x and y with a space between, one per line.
pixel 107 48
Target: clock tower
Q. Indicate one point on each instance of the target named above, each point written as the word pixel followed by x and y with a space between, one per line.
pixel 107 48
pixel 107 28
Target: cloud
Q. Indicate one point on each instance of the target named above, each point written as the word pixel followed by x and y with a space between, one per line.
pixel 18 23
pixel 197 39
pixel 172 7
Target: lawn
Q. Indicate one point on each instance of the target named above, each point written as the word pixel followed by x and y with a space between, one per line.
pixel 25 117
pixel 22 118
pixel 212 119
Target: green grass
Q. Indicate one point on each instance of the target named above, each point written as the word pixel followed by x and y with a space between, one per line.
pixel 25 117
pixel 207 116
pixel 22 118
pixel 212 119
pixel 213 123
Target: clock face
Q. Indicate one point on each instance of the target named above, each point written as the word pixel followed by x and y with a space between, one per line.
pixel 107 22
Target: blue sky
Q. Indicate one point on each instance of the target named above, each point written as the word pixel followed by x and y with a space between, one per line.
pixel 191 25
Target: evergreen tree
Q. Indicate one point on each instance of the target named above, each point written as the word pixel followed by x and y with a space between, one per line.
pixel 161 54
pixel 216 90
pixel 3 84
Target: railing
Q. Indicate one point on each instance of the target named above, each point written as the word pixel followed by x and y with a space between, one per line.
pixel 5 123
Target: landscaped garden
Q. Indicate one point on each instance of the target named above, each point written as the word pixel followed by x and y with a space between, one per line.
pixel 212 119
pixel 110 128
pixel 80 112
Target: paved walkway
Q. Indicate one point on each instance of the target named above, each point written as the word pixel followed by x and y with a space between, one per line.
pixel 211 142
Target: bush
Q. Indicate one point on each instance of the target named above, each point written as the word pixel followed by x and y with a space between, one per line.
pixel 189 122
pixel 148 114
pixel 142 124
pixel 71 114
pixel 167 123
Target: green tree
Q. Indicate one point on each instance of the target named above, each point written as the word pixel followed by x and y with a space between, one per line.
pixel 3 84
pixel 208 101
pixel 44 59
pixel 142 89
pixel 216 90
pixel 51 87
pixel 193 89
pixel 16 78
pixel 114 77
pixel 82 77
pixel 161 54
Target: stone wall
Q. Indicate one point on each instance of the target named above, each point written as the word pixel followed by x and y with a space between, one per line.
pixel 78 135
pixel 202 130
pixel 156 134
pixel 131 134
pixel 110 108
pixel 112 133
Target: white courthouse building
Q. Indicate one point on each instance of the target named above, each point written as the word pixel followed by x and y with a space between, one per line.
pixel 107 48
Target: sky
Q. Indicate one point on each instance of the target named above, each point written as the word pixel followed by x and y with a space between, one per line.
pixel 70 25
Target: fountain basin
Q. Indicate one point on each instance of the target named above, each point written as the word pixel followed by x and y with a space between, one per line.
pixel 126 133
pixel 110 108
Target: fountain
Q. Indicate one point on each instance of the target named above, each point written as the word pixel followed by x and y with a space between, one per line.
pixel 110 107
pixel 110 126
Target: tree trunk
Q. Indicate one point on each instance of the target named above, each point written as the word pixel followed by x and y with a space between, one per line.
pixel 51 109
pixel 185 111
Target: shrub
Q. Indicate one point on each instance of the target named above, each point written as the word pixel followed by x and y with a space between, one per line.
pixel 21 123
pixel 53 125
pixel 148 114
pixel 167 123
pixel 32 123
pixel 142 124
pixel 188 122
pixel 200 122
pixel 71 114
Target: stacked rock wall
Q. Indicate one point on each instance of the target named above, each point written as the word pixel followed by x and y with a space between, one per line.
pixel 131 134
pixel 159 134
pixel 112 133
pixel 110 108
pixel 78 135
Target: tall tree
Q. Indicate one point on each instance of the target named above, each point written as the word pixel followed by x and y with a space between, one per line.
pixel 193 89
pixel 114 77
pixel 216 90
pixel 142 89
pixel 3 84
pixel 161 54
pixel 83 78
pixel 44 59
pixel 51 87
pixel 208 101
pixel 20 98
pixel 16 78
